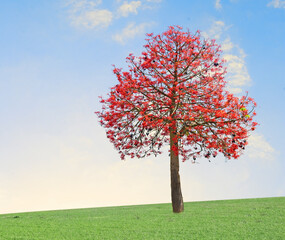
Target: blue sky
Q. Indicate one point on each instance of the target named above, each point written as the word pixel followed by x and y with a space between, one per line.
pixel 56 59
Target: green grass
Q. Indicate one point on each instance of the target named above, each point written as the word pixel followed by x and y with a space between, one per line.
pixel 262 218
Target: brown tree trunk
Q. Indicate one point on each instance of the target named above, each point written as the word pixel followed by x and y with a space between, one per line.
pixel 176 194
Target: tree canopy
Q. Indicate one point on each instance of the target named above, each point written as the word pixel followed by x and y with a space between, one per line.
pixel 177 84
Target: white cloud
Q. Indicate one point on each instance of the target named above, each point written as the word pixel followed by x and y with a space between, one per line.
pixel 218 4
pixel 84 13
pixel 126 8
pixel 237 70
pixel 237 75
pixel 130 31
pixel 150 4
pixel 95 18
pixel 216 30
pixel 227 45
pixel 276 4
pixel 87 14
pixel 259 148
pixel 79 5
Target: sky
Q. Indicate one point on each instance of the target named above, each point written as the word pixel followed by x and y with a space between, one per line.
pixel 56 58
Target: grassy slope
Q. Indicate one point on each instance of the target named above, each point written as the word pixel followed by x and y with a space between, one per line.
pixel 262 218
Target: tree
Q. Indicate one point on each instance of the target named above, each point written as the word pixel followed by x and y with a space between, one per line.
pixel 174 93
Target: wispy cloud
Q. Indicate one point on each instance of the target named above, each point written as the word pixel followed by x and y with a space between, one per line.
pixel 130 31
pixel 129 7
pixel 237 71
pixel 92 19
pixel 87 14
pixel 154 1
pixel 238 75
pixel 227 45
pixel 79 5
pixel 259 148
pixel 218 4
pixel 276 4
pixel 217 30
pixel 84 13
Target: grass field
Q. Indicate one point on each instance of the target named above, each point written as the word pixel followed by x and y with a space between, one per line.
pixel 262 218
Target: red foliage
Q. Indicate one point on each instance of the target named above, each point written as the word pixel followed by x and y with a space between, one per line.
pixel 177 85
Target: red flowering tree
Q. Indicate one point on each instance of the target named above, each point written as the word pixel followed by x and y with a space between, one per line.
pixel 174 93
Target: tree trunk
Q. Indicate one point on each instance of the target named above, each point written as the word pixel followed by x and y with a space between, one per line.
pixel 176 194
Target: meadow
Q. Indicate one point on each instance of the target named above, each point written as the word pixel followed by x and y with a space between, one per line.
pixel 261 218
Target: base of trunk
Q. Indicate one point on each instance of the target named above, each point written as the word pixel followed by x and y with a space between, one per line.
pixel 178 208
pixel 176 194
